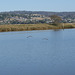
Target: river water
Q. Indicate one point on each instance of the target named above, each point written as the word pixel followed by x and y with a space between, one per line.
pixel 43 52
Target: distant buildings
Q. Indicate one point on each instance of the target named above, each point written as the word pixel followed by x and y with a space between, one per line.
pixel 29 19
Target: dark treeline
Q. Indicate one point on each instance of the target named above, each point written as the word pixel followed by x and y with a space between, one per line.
pixel 63 14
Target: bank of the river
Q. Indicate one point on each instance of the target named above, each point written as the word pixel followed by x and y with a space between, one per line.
pixel 25 27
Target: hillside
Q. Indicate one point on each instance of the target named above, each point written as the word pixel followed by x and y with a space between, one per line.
pixel 27 17
pixel 63 14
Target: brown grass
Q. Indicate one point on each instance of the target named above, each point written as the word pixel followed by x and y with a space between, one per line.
pixel 23 27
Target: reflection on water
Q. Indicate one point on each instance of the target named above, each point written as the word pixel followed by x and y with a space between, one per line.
pixel 45 52
pixel 57 29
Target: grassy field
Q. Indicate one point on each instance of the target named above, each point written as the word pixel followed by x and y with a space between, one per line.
pixel 25 27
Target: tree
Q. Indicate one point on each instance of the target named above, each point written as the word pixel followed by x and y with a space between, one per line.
pixel 55 19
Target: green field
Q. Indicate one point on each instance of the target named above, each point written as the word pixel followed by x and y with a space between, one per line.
pixel 25 27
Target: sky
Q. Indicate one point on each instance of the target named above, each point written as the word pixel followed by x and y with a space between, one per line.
pixel 37 5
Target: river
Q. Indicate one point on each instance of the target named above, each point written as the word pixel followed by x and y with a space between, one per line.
pixel 43 52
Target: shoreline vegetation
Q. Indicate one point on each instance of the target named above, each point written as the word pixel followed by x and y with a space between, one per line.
pixel 29 27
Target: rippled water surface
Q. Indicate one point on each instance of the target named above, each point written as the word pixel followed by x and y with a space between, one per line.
pixel 46 52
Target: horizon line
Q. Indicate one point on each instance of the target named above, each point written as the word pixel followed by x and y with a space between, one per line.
pixel 34 11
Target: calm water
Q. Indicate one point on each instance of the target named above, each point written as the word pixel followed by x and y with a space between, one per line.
pixel 46 52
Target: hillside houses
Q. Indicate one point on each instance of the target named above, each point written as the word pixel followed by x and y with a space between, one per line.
pixel 32 17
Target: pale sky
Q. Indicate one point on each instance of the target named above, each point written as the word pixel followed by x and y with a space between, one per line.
pixel 37 5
